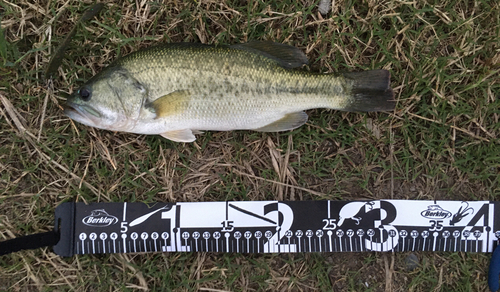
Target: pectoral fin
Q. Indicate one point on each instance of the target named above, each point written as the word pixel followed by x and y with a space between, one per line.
pixel 286 56
pixel 169 104
pixel 185 135
pixel 288 122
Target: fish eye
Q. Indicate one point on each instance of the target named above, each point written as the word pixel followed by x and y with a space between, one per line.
pixel 85 94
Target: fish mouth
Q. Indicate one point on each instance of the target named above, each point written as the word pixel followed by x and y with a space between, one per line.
pixel 82 113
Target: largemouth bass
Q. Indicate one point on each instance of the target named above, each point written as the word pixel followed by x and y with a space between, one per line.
pixel 178 90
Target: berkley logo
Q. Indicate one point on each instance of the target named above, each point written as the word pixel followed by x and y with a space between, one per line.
pixel 99 218
pixel 435 212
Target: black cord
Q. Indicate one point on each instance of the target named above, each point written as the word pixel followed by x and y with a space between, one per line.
pixel 33 241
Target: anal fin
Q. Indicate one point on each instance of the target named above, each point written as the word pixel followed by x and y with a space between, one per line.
pixel 288 122
pixel 185 135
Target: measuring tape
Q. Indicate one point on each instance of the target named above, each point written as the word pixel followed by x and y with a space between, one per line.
pixel 278 226
pixel 273 227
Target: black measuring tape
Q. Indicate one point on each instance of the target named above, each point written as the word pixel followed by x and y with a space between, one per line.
pixel 276 227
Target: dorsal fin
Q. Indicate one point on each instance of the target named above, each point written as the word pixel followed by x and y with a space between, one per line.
pixel 286 56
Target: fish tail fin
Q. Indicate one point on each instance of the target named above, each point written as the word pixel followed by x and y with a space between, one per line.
pixel 371 91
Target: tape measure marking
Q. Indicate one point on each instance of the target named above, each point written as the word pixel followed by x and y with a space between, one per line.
pixel 276 226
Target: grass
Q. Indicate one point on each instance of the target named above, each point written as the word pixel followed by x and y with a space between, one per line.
pixel 442 142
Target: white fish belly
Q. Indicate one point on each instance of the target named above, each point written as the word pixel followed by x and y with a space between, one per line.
pixel 226 114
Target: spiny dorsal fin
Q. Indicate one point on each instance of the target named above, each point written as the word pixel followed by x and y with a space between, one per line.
pixel 288 122
pixel 286 56
pixel 185 135
pixel 169 104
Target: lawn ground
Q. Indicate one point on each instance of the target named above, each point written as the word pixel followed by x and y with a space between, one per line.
pixel 441 142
